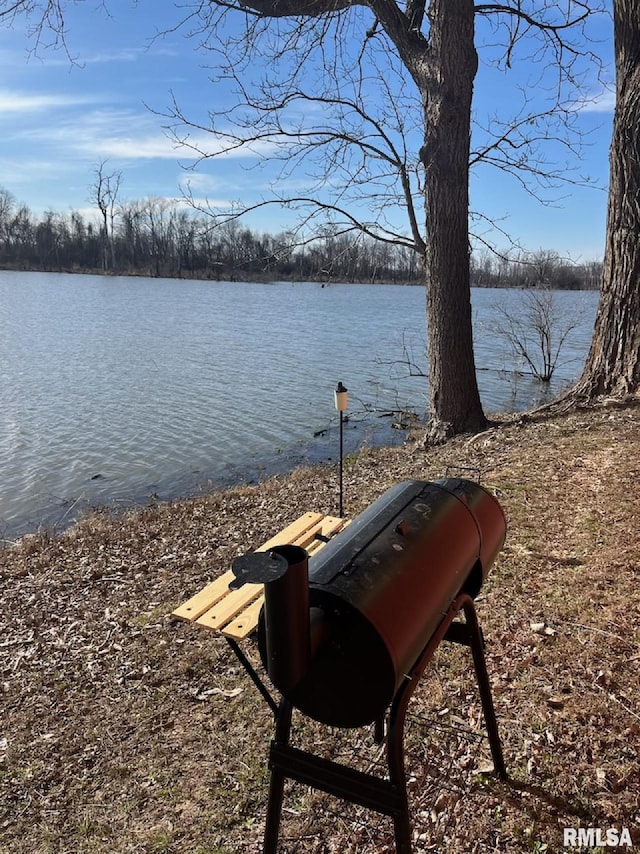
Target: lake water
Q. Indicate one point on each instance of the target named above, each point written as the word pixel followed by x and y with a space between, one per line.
pixel 113 390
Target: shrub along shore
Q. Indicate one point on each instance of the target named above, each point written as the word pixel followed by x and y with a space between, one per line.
pixel 124 731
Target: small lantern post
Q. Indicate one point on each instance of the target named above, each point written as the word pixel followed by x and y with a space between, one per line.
pixel 341 403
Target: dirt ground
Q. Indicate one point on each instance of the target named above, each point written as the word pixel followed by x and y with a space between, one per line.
pixel 122 730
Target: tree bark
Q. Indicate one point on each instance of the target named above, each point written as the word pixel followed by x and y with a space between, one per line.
pixel 454 398
pixel 613 363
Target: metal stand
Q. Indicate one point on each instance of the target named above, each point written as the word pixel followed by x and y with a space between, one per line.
pixel 388 797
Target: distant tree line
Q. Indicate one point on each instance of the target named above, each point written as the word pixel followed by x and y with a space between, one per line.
pixel 543 269
pixel 158 237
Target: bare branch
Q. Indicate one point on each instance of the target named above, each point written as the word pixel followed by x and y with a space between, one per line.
pixel 295 8
pixel 535 22
pixel 357 154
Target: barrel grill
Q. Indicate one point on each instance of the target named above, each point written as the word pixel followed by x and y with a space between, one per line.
pixel 339 632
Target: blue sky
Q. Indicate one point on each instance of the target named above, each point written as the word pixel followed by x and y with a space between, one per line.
pixel 60 119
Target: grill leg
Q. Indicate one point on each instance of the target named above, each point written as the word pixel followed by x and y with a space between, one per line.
pixel 402 830
pixel 395 758
pixel 400 703
pixel 378 730
pixel 274 810
pixel 395 736
pixel 484 687
pixel 276 783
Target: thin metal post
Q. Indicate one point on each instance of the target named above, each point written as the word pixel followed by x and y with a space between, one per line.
pixel 340 398
pixel 341 513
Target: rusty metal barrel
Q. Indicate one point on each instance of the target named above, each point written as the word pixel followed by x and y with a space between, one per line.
pixel 376 596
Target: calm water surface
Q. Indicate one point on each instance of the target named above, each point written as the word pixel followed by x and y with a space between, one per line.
pixel 116 389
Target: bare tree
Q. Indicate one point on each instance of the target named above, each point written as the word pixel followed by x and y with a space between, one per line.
pixel 7 206
pixel 104 193
pixel 390 128
pixel 613 363
pixel 536 331
pixel 157 226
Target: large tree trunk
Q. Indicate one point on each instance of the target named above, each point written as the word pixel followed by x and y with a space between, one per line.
pixel 613 363
pixel 454 397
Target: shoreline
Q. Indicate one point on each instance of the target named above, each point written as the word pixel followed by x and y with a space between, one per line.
pixel 360 433
pixel 258 477
pixel 244 277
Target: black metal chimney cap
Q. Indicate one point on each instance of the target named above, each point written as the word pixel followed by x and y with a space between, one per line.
pixel 258 568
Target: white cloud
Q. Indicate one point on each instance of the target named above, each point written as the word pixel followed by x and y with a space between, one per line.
pixel 127 135
pixel 203 183
pixel 110 132
pixel 126 54
pixel 150 147
pixel 601 102
pixel 19 102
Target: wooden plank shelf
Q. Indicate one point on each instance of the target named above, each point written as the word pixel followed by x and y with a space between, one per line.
pixel 234 613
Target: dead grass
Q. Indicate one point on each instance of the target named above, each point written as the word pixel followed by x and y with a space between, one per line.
pixel 121 731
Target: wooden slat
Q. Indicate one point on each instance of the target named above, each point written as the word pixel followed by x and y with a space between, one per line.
pixel 205 598
pixel 246 622
pixel 226 609
pixel 326 528
pixel 292 532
